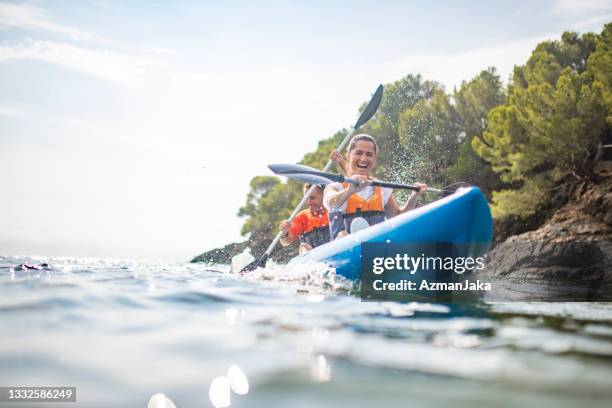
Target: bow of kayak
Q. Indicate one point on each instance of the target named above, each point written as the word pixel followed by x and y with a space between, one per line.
pixel 461 218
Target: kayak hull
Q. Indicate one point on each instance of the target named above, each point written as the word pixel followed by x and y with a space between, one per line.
pixel 461 218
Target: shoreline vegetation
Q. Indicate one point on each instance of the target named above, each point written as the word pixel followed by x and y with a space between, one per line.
pixel 539 148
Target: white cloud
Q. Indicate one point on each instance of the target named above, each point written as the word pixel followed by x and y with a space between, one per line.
pixel 592 23
pixel 164 51
pixel 30 17
pixel 451 69
pixel 581 7
pixel 103 64
pixel 6 111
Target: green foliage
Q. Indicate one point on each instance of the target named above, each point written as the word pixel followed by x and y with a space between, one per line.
pixel 430 131
pixel 476 98
pixel 552 124
pixel 319 158
pixel 400 96
pixel 473 102
pixel 437 133
pixel 261 186
pixel 549 59
pixel 521 203
pixel 393 161
pixel 600 66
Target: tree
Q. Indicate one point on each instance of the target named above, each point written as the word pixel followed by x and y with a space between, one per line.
pixel 437 132
pixel 394 160
pixel 550 127
pixel 431 132
pixel 599 64
pixel 473 102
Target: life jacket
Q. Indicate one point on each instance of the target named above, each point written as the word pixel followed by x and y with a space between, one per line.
pixel 372 210
pixel 317 229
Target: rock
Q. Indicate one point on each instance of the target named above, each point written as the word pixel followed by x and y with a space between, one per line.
pixel 581 262
pixel 221 255
pixel 573 245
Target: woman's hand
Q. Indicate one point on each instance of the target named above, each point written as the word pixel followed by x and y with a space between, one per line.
pixel 393 209
pixel 364 182
pixel 422 189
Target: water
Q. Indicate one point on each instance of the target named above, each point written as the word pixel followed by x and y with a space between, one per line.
pixel 123 331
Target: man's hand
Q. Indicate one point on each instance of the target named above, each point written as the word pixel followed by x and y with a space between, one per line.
pixel 285 226
pixel 337 158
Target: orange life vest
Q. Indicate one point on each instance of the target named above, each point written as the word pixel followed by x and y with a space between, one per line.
pixel 316 231
pixel 356 203
pixel 371 209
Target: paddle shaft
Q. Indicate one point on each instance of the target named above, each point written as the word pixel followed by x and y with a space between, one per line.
pixel 308 193
pixel 395 185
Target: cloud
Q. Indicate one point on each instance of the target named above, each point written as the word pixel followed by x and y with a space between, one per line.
pixel 105 64
pixel 30 17
pixel 581 7
pixel 592 23
pixel 451 69
pixel 6 111
pixel 164 51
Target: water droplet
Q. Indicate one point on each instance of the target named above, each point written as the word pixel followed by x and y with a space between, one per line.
pixel 160 401
pixel 238 380
pixel 219 392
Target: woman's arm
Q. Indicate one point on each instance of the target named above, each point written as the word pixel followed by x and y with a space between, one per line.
pixel 335 197
pixel 337 158
pixel 392 208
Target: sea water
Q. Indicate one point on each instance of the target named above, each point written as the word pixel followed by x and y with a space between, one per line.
pixel 124 332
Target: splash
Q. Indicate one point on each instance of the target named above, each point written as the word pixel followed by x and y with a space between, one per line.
pixel 241 260
pixel 308 277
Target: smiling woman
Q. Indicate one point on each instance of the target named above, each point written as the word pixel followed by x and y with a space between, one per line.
pixel 349 202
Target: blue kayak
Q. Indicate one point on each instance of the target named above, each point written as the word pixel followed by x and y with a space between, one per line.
pixel 462 218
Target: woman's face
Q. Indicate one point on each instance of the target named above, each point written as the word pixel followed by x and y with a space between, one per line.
pixel 362 158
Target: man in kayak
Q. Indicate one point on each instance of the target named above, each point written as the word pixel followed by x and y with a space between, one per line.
pixel 348 202
pixel 311 226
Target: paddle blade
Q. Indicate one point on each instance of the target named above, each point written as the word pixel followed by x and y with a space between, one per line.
pixel 305 173
pixel 371 109
pixel 255 264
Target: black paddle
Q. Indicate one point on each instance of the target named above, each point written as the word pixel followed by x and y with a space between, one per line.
pixel 310 175
pixel 367 113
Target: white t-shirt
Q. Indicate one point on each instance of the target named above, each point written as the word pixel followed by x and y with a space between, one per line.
pixel 365 194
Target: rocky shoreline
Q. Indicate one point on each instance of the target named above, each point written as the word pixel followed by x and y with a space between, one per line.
pixel 574 244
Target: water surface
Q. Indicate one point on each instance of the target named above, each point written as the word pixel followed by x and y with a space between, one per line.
pixel 123 331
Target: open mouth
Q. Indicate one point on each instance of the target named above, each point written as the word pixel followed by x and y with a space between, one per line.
pixel 362 166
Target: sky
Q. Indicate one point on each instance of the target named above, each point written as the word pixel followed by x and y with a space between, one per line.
pixel 131 130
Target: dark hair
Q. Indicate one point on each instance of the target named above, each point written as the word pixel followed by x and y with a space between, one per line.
pixel 308 185
pixel 362 137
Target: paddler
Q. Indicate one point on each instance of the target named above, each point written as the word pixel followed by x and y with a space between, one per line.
pixel 347 202
pixel 310 226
